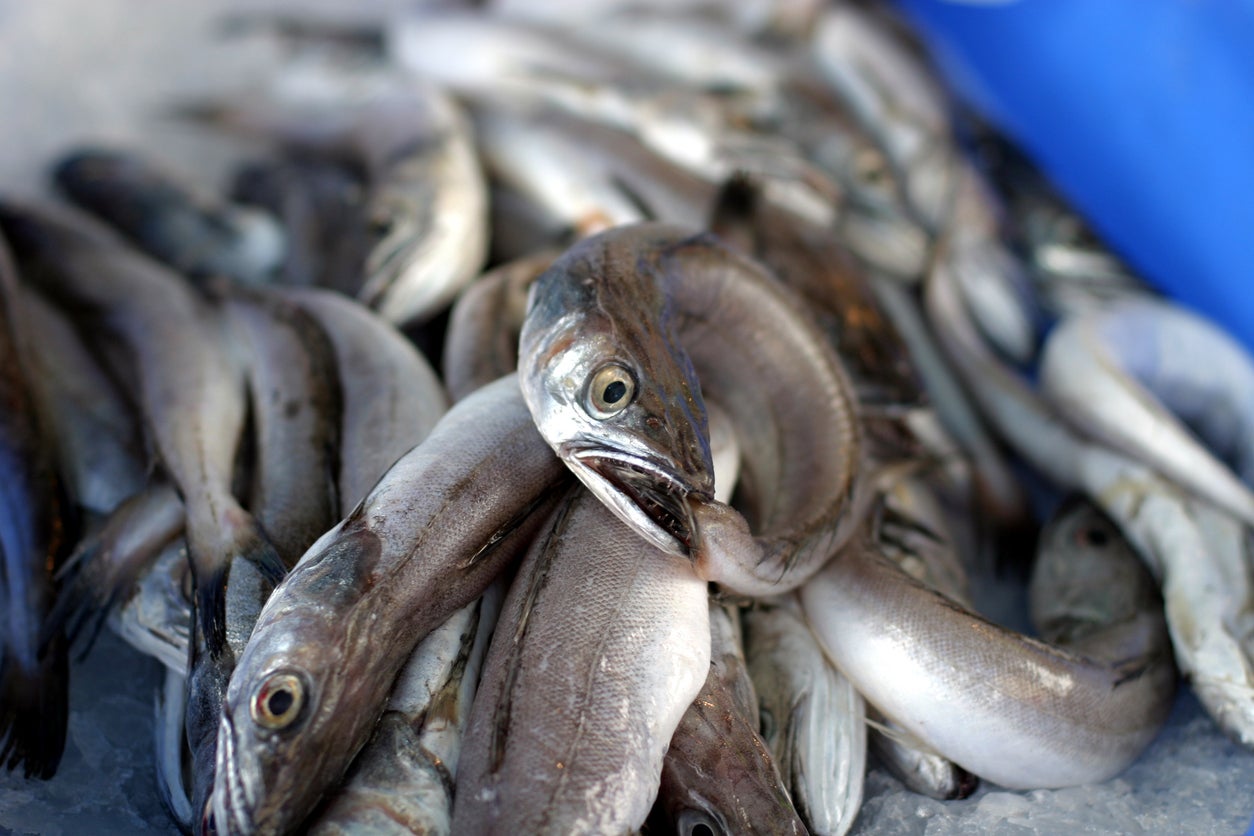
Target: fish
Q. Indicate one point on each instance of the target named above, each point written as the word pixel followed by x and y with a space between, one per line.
pixel 812 718
pixel 1019 712
pixel 155 617
pixel 198 235
pixel 1151 379
pixel 402 782
pixel 426 205
pixel 182 376
pixel 34 684
pixel 719 775
pixel 587 337
pixel 167 731
pixel 434 532
pixel 391 397
pixel 592 665
pixel 293 381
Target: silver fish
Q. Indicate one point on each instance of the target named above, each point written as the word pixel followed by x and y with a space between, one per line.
pixel 1134 374
pixel 429 538
pixel 1019 712
pixel 812 718
pixel 391 396
pixel 605 370
pixel 592 666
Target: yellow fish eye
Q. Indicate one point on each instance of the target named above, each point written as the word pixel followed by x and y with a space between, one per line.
pixel 278 702
pixel 610 390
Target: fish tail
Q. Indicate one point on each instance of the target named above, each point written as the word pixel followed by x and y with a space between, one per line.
pixel 34 710
pixel 250 543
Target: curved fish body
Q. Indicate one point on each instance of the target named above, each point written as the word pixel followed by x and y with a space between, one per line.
pixel 1133 375
pixel 294 387
pixel 481 344
pixel 1019 712
pixel 195 235
pixel 812 718
pixel 391 397
pixel 320 205
pixel 617 332
pixel 428 539
pixel 602 645
pixel 402 782
pixel 34 698
pixel 426 205
pixel 719 775
pixel 1200 594
pixel 185 382
pixel 167 731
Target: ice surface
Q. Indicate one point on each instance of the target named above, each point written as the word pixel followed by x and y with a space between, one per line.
pixel 103 69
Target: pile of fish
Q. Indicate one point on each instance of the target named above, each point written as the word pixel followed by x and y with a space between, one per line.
pixel 747 337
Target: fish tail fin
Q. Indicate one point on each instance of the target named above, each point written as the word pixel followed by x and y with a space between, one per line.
pixel 34 711
pixel 248 542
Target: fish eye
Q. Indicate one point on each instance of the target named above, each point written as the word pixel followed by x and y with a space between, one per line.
pixel 278 702
pixel 610 389
pixel 692 822
pixel 1091 535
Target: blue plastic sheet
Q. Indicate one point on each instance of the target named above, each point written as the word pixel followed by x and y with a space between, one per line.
pixel 1140 111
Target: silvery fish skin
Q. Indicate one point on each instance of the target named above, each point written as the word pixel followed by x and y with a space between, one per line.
pixel 426 207
pixel 1155 367
pixel 293 381
pixel 605 377
pixel 680 295
pixel 391 397
pixel 156 618
pixel 195 235
pixel 591 668
pixel 481 344
pixel 320 204
pixel 430 537
pixel 34 699
pixel 763 18
pixel 184 381
pixel 719 776
pixel 1019 712
pixel 167 730
pixel 1160 521
pixel 812 718
pixel 402 782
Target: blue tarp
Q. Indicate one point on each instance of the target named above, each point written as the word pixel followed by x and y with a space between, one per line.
pixel 1140 111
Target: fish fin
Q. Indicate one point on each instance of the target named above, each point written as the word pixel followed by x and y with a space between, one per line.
pixel 34 711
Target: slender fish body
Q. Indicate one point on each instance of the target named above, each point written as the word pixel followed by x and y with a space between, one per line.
pixel 813 720
pixel 391 397
pixel 428 539
pixel 1019 712
pixel 719 774
pixel 1134 374
pixel 602 645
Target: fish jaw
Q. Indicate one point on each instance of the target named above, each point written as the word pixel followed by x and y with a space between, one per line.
pixel 644 494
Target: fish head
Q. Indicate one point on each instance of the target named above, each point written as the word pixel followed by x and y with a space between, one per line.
pixel 610 388
pixel 291 704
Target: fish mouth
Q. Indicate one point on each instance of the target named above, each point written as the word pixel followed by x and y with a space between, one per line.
pixel 230 798
pixel 646 496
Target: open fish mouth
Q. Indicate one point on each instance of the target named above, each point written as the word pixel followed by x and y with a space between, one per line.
pixel 659 500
